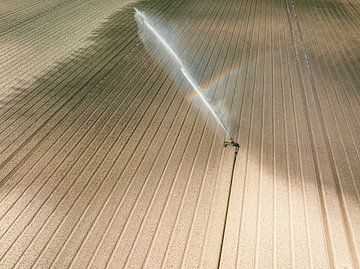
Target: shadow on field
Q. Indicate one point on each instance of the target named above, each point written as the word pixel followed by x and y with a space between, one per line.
pixel 112 46
pixel 86 74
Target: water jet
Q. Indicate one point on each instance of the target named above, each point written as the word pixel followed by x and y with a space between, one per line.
pixel 141 17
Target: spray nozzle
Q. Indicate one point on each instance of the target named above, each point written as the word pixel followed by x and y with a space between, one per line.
pixel 231 143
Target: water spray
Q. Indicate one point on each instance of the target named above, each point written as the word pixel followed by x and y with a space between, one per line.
pixel 186 74
pixel 198 91
pixel 158 36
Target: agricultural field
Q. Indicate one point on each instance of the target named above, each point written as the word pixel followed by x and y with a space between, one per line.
pixel 180 134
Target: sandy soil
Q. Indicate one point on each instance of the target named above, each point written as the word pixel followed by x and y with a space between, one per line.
pixel 107 160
